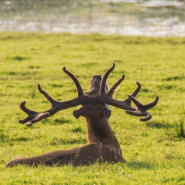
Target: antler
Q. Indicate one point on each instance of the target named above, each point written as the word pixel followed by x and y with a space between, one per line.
pixel 126 104
pixel 55 105
pixel 142 108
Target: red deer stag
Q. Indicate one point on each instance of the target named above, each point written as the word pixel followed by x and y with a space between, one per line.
pixel 102 143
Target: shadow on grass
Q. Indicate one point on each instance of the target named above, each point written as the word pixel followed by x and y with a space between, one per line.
pixel 139 165
pixel 173 78
pixel 159 125
pixel 56 121
pixel 11 141
pixel 61 121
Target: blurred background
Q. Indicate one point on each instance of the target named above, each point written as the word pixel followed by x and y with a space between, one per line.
pixel 125 17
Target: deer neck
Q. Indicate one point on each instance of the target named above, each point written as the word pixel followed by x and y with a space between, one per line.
pixel 99 131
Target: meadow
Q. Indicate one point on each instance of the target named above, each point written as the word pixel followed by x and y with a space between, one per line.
pixel 154 150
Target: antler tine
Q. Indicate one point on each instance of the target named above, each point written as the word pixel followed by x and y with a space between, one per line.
pixel 142 108
pixel 31 114
pixel 47 96
pixel 26 110
pixel 111 91
pixel 147 117
pixel 136 113
pixel 152 104
pixel 75 80
pixel 22 121
pixel 22 106
pixel 136 102
pixel 136 91
pixel 104 79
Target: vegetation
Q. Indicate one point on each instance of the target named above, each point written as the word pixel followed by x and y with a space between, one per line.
pixel 154 150
pixel 38 9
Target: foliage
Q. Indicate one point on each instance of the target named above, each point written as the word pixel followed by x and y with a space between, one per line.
pixel 153 153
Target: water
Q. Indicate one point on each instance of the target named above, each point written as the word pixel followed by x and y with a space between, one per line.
pixel 149 3
pixel 154 18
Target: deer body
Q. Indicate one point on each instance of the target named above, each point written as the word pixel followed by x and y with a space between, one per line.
pixel 103 145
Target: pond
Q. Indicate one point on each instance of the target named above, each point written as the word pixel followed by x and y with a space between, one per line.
pixel 125 17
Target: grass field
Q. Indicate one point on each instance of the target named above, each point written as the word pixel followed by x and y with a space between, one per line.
pixel 154 150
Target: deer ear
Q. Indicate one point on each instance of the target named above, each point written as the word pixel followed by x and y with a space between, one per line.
pixel 106 112
pixel 79 112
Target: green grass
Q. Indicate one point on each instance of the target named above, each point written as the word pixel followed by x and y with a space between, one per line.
pixel 154 150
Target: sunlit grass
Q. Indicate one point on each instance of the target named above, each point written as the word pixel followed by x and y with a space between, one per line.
pixel 154 150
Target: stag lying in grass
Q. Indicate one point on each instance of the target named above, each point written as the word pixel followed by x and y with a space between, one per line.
pixel 102 143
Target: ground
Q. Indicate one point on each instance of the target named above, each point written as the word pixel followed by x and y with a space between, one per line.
pixel 154 150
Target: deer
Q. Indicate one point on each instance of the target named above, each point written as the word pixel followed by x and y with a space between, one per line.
pixel 102 146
